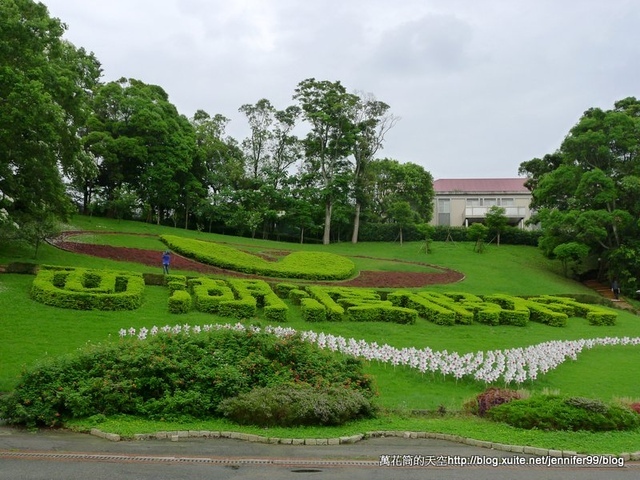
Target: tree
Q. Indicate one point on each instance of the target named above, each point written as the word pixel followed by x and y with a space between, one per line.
pixel 260 117
pixel 427 232
pixel 326 106
pixel 587 191
pixel 220 156
pixel 45 84
pixel 37 227
pixel 571 253
pixel 373 122
pixel 496 221
pixel 144 144
pixel 402 214
pixel 390 181
pixel 477 233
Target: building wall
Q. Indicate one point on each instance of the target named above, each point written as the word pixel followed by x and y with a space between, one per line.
pixel 465 208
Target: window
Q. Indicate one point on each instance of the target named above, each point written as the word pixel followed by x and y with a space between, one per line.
pixel 444 211
pixel 489 202
pixel 507 202
pixel 473 202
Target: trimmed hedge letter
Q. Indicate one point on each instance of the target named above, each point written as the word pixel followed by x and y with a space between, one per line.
pixel 84 289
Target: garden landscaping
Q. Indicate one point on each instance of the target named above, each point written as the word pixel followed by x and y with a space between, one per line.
pixel 367 278
pixel 429 347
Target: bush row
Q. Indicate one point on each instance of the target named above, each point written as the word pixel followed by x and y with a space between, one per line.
pixel 554 412
pixel 296 404
pixel 171 376
pixel 304 265
pixel 85 289
pixel 388 232
pixel 240 298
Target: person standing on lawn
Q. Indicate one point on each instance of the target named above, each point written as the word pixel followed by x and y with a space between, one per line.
pixel 166 260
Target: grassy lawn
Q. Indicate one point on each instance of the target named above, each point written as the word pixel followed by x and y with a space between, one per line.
pixel 31 331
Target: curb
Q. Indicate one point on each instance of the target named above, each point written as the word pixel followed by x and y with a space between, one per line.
pixel 176 436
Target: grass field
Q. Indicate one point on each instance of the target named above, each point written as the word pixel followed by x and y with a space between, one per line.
pixel 31 331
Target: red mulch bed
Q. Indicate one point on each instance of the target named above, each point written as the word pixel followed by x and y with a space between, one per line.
pixel 153 258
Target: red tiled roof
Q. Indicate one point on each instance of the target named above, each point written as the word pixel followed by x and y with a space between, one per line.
pixel 480 185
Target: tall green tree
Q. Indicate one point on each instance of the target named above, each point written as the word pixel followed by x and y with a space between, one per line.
pixel 496 221
pixel 327 108
pixel 403 216
pixel 256 147
pixel 45 83
pixel 143 143
pixel 220 155
pixel 390 181
pixel 373 121
pixel 588 190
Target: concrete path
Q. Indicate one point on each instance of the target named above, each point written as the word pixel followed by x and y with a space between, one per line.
pixel 58 454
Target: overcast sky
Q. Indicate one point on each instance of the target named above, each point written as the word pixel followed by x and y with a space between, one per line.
pixel 479 85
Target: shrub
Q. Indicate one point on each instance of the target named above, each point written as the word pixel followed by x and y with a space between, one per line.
pixel 179 302
pixel 307 265
pixel 553 412
pixel 22 268
pixel 635 407
pixel 312 310
pixel 297 295
pixel 334 312
pixel 171 376
pixel 492 397
pixel 382 313
pixel 296 405
pixel 82 289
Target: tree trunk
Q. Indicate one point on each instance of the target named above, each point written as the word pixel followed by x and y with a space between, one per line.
pixel 301 235
pixel 356 224
pixel 326 237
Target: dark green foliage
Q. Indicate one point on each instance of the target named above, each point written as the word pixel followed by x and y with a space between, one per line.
pixel 295 405
pixel 170 376
pixel 24 268
pixel 553 412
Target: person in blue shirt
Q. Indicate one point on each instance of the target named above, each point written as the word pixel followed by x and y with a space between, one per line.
pixel 166 260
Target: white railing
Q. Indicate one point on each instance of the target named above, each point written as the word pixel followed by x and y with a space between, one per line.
pixel 480 212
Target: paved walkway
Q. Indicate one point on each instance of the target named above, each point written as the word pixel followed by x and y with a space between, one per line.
pixel 605 291
pixel 59 454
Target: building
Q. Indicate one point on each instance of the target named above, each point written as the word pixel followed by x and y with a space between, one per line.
pixel 460 202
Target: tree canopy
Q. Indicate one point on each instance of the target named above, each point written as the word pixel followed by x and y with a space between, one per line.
pixel 588 191
pixel 45 85
pixel 122 149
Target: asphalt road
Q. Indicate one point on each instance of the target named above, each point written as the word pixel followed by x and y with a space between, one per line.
pixel 52 455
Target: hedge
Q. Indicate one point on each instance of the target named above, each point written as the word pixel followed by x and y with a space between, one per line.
pixel 312 310
pixel 275 310
pixel 304 265
pixel 208 294
pixel 382 313
pixel 85 289
pixel 462 314
pixel 594 314
pixel 425 308
pixel 179 302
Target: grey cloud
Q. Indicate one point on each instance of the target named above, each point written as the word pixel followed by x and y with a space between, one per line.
pixel 431 44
